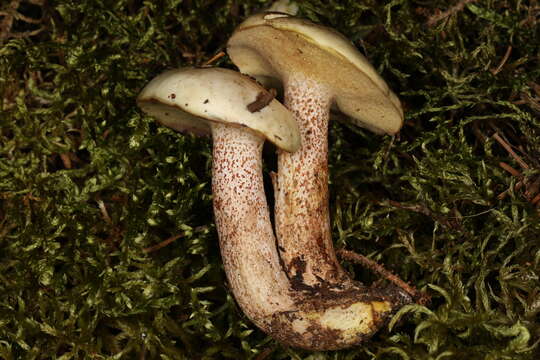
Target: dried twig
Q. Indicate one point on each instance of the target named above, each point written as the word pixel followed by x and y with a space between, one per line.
pixel 214 58
pixel 6 22
pixel 517 187
pixel 451 11
pixel 263 99
pixel 512 153
pixel 420 297
pixel 532 187
pixel 9 15
pixel 66 160
pixel 169 240
pixel 510 169
pixel 503 61
pixel 533 102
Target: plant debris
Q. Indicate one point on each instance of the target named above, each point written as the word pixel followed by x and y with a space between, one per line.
pixel 263 99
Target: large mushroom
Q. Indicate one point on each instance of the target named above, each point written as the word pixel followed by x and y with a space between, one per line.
pixel 318 68
pixel 240 115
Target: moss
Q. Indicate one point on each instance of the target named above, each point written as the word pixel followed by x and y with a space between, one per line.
pixel 87 182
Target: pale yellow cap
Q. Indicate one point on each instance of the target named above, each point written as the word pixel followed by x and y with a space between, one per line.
pixel 278 45
pixel 190 99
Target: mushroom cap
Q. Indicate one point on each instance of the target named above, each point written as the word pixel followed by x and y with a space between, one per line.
pixel 191 99
pixel 278 45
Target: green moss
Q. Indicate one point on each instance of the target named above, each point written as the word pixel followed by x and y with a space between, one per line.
pixel 87 182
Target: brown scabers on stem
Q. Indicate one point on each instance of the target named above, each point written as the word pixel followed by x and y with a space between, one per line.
pixel 318 68
pixel 317 318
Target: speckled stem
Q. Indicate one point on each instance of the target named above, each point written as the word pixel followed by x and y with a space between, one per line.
pixel 247 241
pixel 302 214
pixel 324 319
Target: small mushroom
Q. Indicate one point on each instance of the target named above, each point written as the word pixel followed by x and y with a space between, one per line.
pixel 318 68
pixel 215 101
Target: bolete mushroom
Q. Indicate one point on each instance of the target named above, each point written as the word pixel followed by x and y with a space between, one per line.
pixel 318 68
pixel 218 101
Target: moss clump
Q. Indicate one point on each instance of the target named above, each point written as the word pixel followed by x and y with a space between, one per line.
pixel 87 182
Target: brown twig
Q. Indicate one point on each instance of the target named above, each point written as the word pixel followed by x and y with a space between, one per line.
pixel 262 100
pixel 169 241
pixel 517 187
pixel 510 169
pixel 451 11
pixel 66 160
pixel 533 102
pixel 214 58
pixel 6 22
pixel 503 61
pixel 512 153
pixel 535 87
pixel 420 297
pixel 163 243
pixel 9 13
pixel 532 189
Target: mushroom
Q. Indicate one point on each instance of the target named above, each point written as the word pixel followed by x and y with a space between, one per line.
pixel 218 102
pixel 318 68
pixel 215 101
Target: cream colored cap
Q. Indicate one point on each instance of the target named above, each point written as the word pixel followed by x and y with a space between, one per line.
pixel 189 100
pixel 278 45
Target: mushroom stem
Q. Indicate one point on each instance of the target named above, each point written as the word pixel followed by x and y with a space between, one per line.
pixel 301 210
pixel 247 242
pixel 217 101
pixel 321 318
